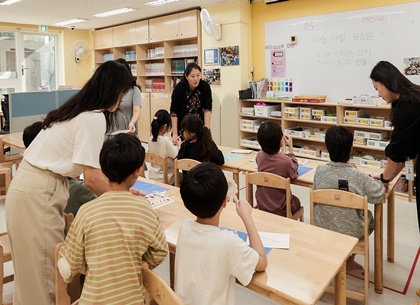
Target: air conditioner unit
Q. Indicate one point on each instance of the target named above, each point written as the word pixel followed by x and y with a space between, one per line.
pixel 273 1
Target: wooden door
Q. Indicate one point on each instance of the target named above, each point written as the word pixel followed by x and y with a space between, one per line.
pixel 145 119
pixel 142 32
pixel 159 101
pixel 171 27
pixel 156 29
pixel 118 36
pixel 103 38
pixel 188 24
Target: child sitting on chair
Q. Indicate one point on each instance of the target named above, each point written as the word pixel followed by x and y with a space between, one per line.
pixel 113 234
pixel 271 160
pixel 162 145
pixel 208 259
pixel 339 142
pixel 198 144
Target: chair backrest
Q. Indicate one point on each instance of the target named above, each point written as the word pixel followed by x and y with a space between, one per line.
pixel 272 181
pixel 160 292
pixel 159 160
pixel 5 256
pixel 185 165
pixel 345 199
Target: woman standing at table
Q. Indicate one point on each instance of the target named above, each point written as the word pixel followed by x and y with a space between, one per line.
pixel 129 111
pixel 191 95
pixel 67 146
pixel 404 97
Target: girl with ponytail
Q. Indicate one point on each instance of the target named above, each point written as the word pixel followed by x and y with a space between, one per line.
pixel 160 144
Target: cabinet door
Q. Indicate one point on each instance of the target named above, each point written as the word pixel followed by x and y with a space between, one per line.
pixel 118 36
pixel 103 38
pixel 142 32
pixel 171 27
pixel 156 29
pixel 129 34
pixel 188 24
pixel 159 101
pixel 144 120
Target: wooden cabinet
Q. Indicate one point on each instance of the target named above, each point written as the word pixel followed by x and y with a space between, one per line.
pixel 159 101
pixel 181 26
pixel 144 120
pixel 124 35
pixel 142 32
pixel 156 29
pixel 103 38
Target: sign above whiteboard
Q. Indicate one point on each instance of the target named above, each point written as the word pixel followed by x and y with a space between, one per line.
pixel 335 53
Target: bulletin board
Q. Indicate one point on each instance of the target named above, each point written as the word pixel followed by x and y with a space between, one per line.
pixel 335 53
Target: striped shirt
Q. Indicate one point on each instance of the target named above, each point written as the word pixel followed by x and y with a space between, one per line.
pixel 110 237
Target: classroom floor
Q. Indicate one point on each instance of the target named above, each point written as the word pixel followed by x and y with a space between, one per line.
pixel 401 278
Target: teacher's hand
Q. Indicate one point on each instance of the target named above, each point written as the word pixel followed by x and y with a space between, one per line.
pixel 132 127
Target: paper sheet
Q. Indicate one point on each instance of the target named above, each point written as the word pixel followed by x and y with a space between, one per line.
pixel 242 151
pixel 274 240
pixel 119 131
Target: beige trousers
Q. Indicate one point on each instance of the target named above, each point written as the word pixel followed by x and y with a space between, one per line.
pixel 34 216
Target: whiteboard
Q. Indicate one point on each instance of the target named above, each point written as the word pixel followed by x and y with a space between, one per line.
pixel 335 53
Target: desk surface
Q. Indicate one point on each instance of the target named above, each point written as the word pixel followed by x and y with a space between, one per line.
pixel 14 140
pixel 299 275
pixel 235 164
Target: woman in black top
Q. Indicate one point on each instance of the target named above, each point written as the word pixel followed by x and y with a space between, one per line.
pixel 190 96
pixel 404 97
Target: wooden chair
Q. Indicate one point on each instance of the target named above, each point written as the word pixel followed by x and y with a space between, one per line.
pixel 5 256
pixel 160 292
pixel 272 181
pixel 158 160
pixel 12 158
pixel 185 165
pixel 65 294
pixel 346 199
pixel 5 178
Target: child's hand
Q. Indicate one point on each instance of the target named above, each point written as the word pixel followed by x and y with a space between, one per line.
pixel 352 164
pixel 178 142
pixel 175 139
pixel 243 208
pixel 288 140
pixel 136 192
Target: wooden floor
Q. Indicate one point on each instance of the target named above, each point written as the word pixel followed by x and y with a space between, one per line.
pixel 401 278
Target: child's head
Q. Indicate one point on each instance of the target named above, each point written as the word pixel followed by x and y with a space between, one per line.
pixel 162 119
pixel 339 141
pixel 204 189
pixel 192 126
pixel 30 132
pixel 121 156
pixel 269 137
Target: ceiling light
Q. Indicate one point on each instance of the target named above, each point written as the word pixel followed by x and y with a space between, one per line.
pixel 115 12
pixel 8 2
pixel 160 2
pixel 72 21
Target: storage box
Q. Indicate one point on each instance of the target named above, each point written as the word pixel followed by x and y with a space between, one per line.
pixel 387 123
pixel 319 112
pixel 310 98
pixel 252 141
pixel 325 155
pixel 353 113
pixel 361 134
pixel 377 143
pixel 360 140
pixel 292 116
pixel 331 119
pixel 363 121
pixel 294 133
pixel 314 153
pixel 376 122
pixel 350 120
pixel 305 116
pixel 250 124
pixel 372 163
pixel 304 110
pixel 376 135
pixel 265 111
pixel 292 110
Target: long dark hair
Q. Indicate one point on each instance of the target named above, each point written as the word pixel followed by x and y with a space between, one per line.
pixel 194 124
pixel 161 118
pixel 187 71
pixel 387 74
pixel 102 91
pixel 125 63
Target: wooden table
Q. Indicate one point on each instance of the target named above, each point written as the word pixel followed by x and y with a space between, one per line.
pixel 14 140
pixel 234 165
pixel 299 275
pixel 307 180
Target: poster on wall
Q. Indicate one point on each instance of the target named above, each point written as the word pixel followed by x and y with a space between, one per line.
pixel 278 63
pixel 211 57
pixel 229 56
pixel 212 76
pixel 412 66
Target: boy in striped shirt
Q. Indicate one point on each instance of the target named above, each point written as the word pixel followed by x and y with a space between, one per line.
pixel 113 234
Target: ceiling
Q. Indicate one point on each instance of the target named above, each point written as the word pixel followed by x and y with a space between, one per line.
pixel 48 12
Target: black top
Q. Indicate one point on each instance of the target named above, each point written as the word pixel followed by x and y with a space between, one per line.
pixel 191 150
pixel 184 101
pixel 405 138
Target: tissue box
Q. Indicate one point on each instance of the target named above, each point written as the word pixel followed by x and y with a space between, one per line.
pixel 265 111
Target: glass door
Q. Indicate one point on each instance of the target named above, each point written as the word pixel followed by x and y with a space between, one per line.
pixel 10 80
pixel 38 67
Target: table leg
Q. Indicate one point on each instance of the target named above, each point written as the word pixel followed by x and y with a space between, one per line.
pixel 378 252
pixel 391 226
pixel 172 269
pixel 340 286
pixel 236 178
